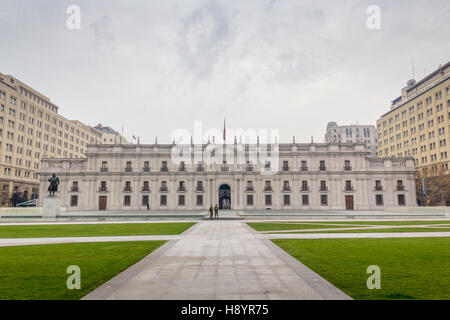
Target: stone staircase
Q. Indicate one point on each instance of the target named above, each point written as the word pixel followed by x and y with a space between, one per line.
pixel 226 215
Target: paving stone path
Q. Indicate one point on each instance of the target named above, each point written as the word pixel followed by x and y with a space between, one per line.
pixel 218 260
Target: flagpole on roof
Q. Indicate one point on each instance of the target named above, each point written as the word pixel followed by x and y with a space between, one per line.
pixel 224 131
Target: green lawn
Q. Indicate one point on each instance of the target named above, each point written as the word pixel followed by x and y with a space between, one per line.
pixel 390 223
pixel 388 230
pixel 280 226
pixel 85 230
pixel 39 272
pixel 262 226
pixel 417 268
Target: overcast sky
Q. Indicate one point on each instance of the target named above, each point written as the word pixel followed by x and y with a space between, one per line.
pixel 157 66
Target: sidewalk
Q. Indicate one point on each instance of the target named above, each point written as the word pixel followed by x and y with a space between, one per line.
pixel 218 260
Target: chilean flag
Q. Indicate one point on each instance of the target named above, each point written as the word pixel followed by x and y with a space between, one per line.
pixel 224 131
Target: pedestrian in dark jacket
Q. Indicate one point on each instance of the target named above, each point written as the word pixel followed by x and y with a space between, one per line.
pixel 211 212
pixel 216 211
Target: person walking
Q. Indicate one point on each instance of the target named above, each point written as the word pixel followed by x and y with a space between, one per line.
pixel 211 211
pixel 216 211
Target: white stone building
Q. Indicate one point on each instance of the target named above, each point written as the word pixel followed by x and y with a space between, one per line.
pixel 292 177
pixel 366 134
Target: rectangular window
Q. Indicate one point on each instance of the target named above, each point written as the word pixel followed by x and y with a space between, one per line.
pixel 249 199
pixel 163 200
pixel 379 200
pixel 304 166
pixel 181 199
pixel 322 166
pixel 348 185
pixel 347 166
pixel 378 186
pixel 145 200
pixel 324 200
pixel 74 201
pixel 127 201
pixel 287 200
pixel 401 200
pixel 199 200
pixel 268 199
pixel 305 200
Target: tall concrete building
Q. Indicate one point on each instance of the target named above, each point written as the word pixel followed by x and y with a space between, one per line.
pixel 353 133
pixel 32 128
pixel 418 123
pixel 111 136
pixel 249 177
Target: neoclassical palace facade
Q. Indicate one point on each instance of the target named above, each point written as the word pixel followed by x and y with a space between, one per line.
pixel 248 177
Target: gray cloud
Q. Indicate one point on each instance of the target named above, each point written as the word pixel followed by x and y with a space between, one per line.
pixel 205 34
pixel 102 30
pixel 156 66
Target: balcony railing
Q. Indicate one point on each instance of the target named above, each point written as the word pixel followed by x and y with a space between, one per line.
pixel 400 188
pixel 286 189
pixel 145 189
pixel 164 169
pixel 323 189
pixel 146 169
pixel 200 189
pixel 267 188
pixel 378 188
pixel 304 169
pixel 75 189
pixel 347 188
pixel 285 169
pixel 181 189
pixel 182 169
pixel 305 189
pixel 200 168
pixel 348 168
pixel 127 189
pixel 250 189
pixel 249 168
pixel 103 189
pixel 163 189
pixel 321 168
pixel 103 169
pixel 224 168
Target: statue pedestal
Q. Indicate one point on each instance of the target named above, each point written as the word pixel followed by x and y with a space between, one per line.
pixel 51 207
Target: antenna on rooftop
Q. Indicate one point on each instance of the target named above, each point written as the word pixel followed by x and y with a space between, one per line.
pixel 413 68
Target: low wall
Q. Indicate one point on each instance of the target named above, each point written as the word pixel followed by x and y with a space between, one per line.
pixel 420 210
pixel 32 211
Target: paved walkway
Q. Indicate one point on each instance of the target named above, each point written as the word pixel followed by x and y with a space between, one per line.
pixel 36 241
pixel 218 260
pixel 358 235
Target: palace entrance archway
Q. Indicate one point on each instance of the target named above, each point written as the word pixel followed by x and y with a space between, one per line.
pixel 225 197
